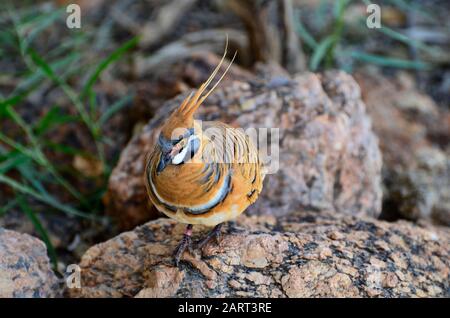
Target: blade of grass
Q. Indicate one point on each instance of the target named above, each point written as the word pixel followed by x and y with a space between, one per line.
pixel 320 14
pixel 28 173
pixel 34 81
pixel 396 35
pixel 43 22
pixel 87 90
pixel 49 200
pixel 105 63
pixel 22 45
pixel 114 108
pixel 40 154
pixel 389 61
pixel 7 38
pixel 69 45
pixel 53 117
pixel 20 164
pixel 415 6
pixel 17 98
pixel 66 88
pixel 14 160
pixel 407 40
pixel 20 11
pixel 68 150
pixel 320 52
pixel 339 10
pixel 8 206
pixel 12 114
pixel 19 147
pixel 74 98
pixel 40 230
pixel 306 37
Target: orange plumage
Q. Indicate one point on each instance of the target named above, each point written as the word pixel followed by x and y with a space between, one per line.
pixel 206 174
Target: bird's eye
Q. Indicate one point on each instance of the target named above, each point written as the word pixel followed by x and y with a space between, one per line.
pixel 185 135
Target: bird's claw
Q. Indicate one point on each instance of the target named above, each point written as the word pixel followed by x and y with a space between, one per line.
pixel 185 243
pixel 214 234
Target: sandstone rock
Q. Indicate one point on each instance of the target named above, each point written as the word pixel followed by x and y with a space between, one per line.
pixel 415 141
pixel 329 157
pixel 24 267
pixel 299 255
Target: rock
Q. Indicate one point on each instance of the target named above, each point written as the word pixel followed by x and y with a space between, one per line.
pixel 329 157
pixel 24 267
pixel 415 141
pixel 298 255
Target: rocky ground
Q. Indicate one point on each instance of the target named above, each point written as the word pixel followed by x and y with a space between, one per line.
pixel 303 254
pixel 299 255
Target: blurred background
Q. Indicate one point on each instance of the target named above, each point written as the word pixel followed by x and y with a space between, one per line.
pixel 70 99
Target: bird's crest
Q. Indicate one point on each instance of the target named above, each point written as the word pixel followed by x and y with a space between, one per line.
pixel 183 115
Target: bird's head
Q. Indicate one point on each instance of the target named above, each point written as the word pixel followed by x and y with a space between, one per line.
pixel 184 142
pixel 180 138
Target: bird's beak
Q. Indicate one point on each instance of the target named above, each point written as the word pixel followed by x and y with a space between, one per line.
pixel 165 159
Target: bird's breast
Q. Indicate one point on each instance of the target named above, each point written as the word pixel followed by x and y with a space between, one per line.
pixel 194 187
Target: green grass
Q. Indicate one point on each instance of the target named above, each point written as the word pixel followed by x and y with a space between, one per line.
pixel 326 51
pixel 25 166
pixel 24 206
pixel 389 61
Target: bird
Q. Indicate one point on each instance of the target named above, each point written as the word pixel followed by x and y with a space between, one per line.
pixel 202 173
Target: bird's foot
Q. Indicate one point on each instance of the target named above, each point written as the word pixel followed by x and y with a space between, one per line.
pixel 214 234
pixel 185 243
